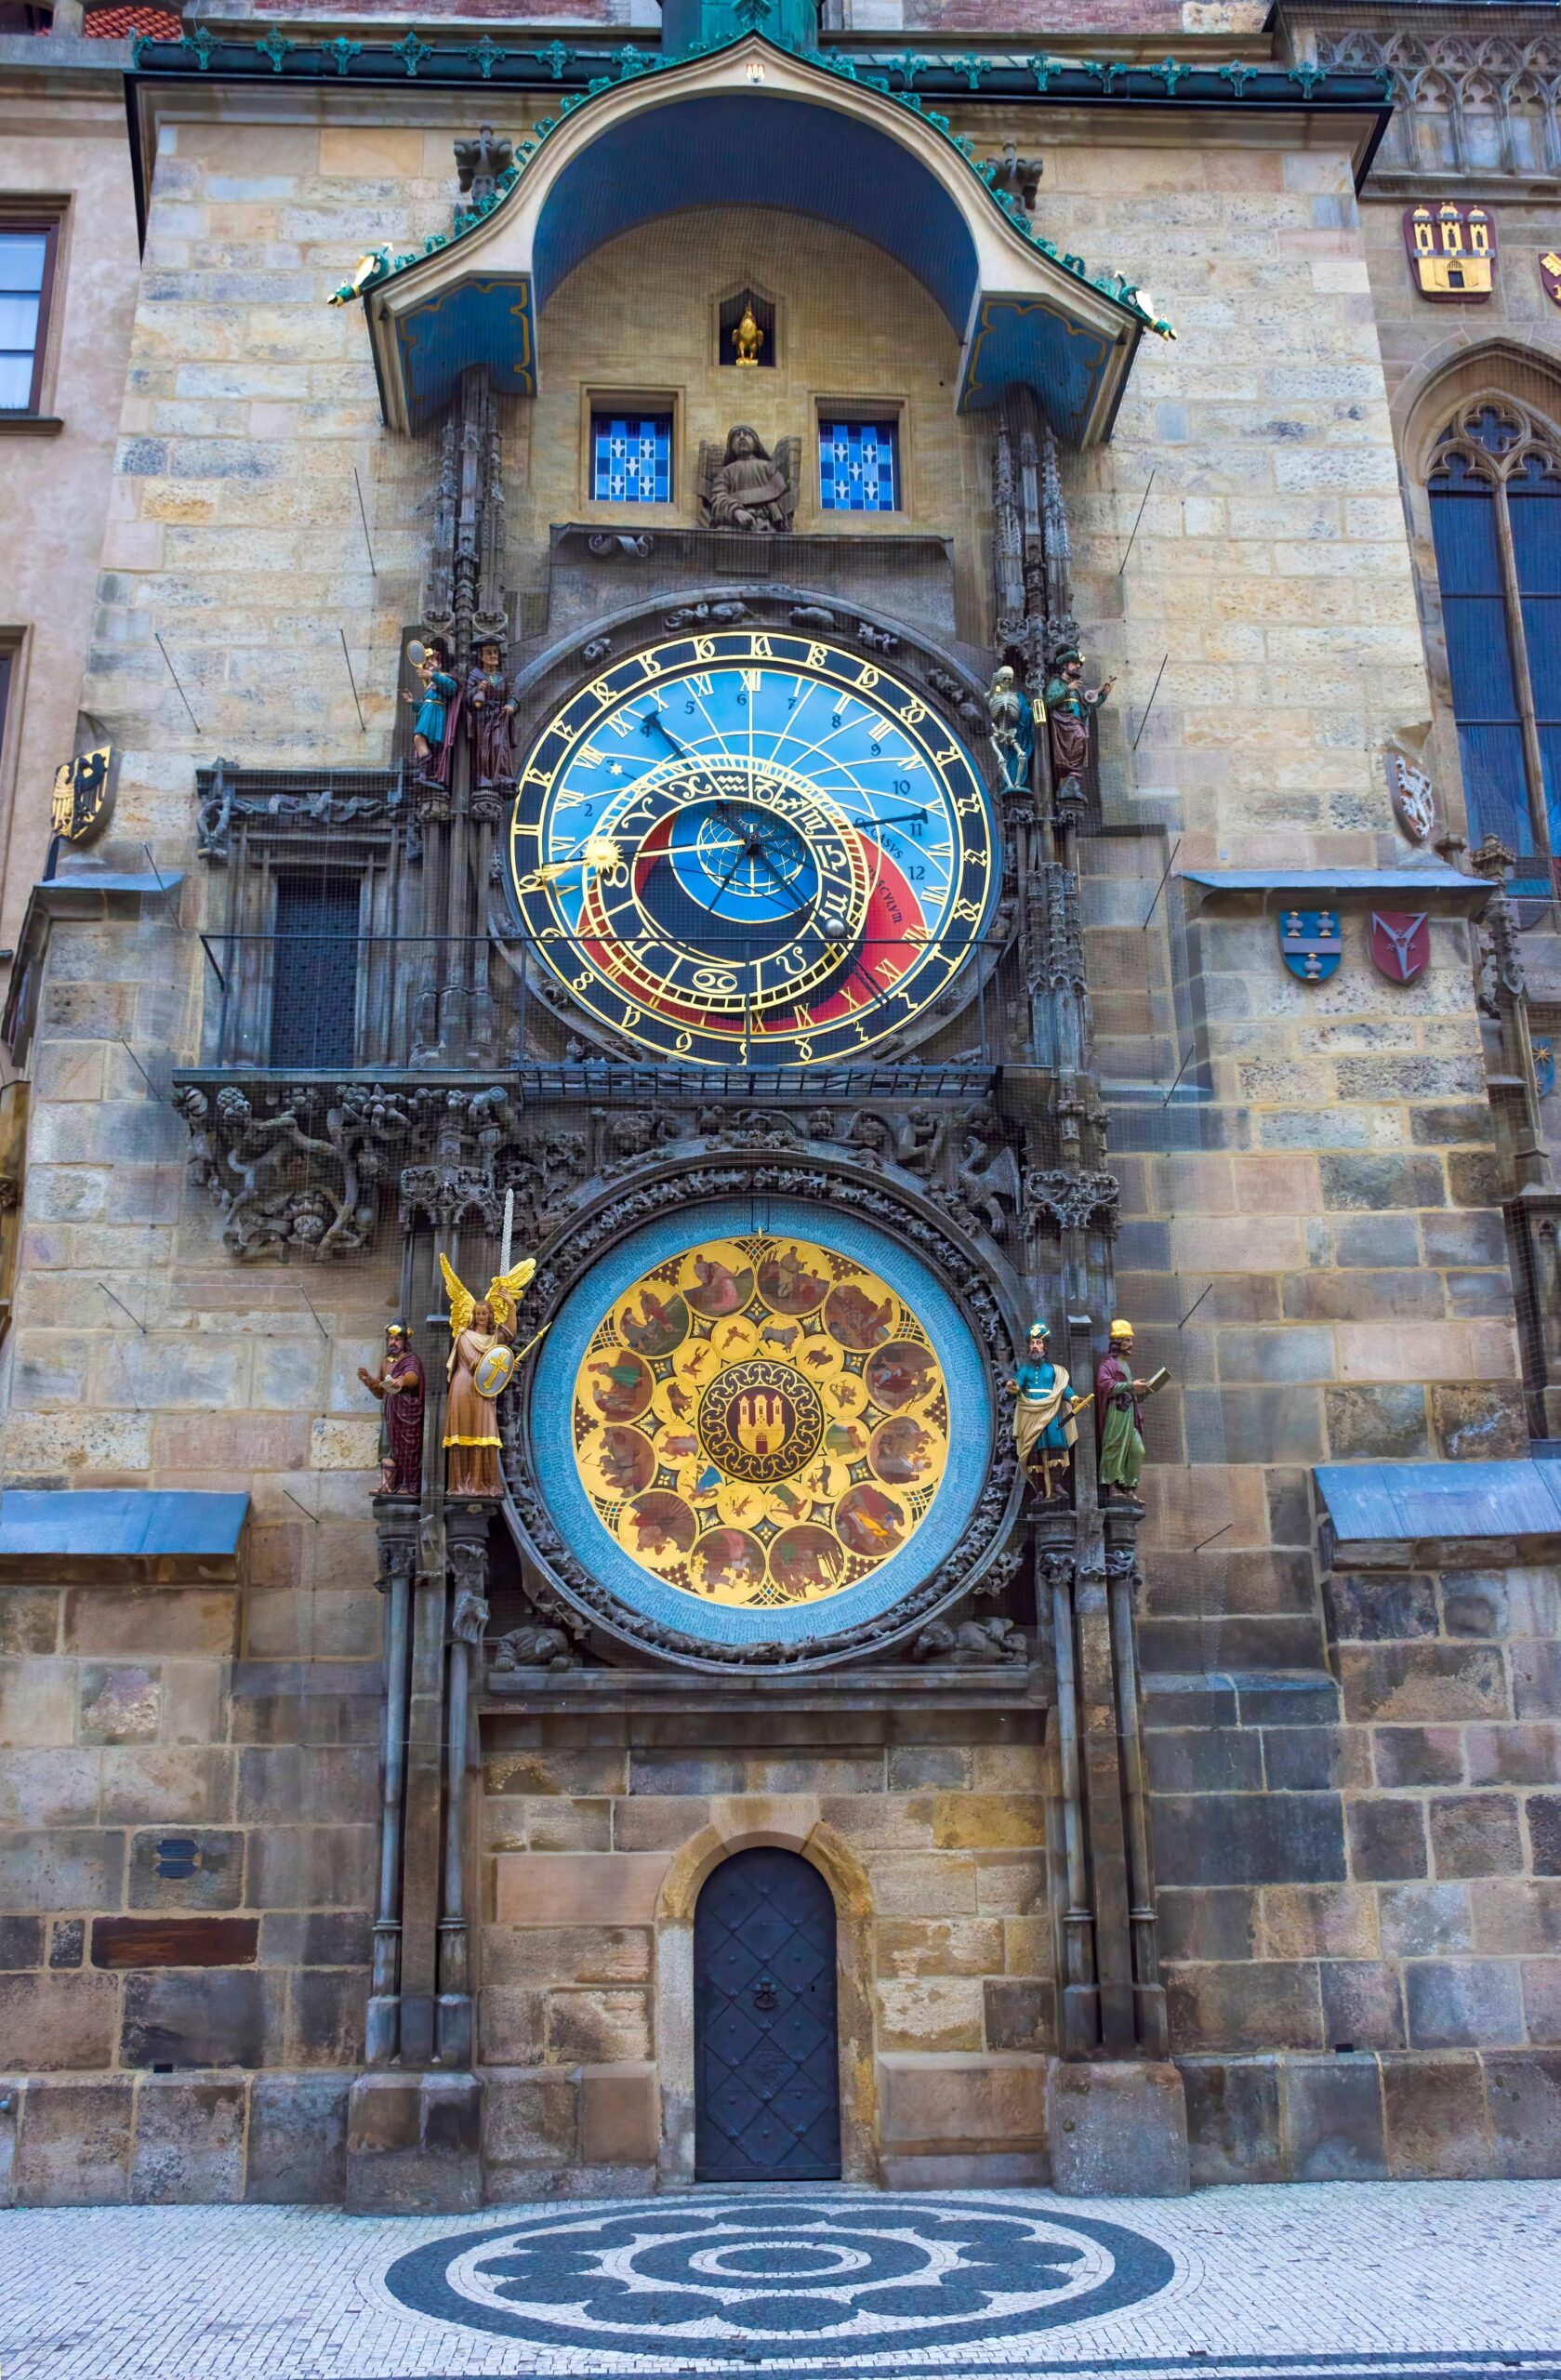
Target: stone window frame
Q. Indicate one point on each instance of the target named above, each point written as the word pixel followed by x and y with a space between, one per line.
pixel 26 212
pixel 1455 381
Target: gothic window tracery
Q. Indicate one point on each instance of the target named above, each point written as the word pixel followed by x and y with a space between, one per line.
pixel 1495 488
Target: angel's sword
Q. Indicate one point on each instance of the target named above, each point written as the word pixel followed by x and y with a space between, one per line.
pixel 508 1229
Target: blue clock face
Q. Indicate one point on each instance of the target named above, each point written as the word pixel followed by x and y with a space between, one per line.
pixel 753 849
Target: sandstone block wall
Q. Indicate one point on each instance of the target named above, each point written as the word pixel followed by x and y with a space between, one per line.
pixel 1365 1863
pixel 71 149
pixel 933 1834
pixel 186 1872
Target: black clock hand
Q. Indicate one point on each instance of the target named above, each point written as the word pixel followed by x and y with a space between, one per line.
pixel 902 818
pixel 742 854
pixel 652 720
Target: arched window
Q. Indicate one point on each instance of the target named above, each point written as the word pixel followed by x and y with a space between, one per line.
pixel 1495 486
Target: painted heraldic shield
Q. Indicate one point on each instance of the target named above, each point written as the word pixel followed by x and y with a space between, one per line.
pixel 1400 944
pixel 492 1374
pixel 1309 942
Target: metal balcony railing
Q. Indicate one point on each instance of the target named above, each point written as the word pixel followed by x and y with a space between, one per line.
pixel 312 1001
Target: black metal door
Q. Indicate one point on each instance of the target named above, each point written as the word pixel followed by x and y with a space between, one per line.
pixel 766 2060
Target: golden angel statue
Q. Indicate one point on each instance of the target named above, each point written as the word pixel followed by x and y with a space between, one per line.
pixel 482 1360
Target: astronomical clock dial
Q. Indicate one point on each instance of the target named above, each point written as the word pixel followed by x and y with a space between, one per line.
pixel 753 849
pixel 733 1425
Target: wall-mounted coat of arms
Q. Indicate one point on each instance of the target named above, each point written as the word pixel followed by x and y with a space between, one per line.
pixel 1309 942
pixel 1400 942
pixel 1452 251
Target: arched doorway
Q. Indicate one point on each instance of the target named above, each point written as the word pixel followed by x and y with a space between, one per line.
pixel 766 2055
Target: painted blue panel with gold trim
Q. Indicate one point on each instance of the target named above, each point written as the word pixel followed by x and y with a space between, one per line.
pixel 487 320
pixel 1036 343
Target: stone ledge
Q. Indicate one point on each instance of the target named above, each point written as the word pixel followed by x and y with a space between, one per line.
pixel 1465 2115
pixel 962 2104
pixel 206 2137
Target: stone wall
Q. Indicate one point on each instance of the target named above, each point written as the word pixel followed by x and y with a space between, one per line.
pixel 1331 1207
pixel 1360 1867
pixel 186 1869
pixel 931 1834
pixel 70 148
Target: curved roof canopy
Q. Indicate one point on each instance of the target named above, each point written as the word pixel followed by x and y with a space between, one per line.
pixel 752 125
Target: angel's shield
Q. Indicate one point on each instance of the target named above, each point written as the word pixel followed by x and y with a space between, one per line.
pixel 494 1372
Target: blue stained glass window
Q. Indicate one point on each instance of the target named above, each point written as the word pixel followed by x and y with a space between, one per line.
pixel 632 459
pixel 859 466
pixel 1477 619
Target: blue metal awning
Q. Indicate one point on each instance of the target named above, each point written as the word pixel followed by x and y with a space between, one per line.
pixel 751 125
pixel 1442 890
pixel 1406 1501
pixel 82 1529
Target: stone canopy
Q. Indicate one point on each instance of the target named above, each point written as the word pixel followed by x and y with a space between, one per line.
pixel 752 125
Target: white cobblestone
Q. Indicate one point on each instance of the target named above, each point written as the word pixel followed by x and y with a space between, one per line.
pixel 1313 2281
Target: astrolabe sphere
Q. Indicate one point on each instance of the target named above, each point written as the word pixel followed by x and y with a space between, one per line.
pixel 496 1370
pixel 760 1420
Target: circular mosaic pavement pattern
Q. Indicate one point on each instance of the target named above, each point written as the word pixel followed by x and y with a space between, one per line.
pixel 814 2279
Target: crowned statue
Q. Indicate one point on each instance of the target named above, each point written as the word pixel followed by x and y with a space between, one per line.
pixel 1119 1395
pixel 399 1387
pixel 481 1365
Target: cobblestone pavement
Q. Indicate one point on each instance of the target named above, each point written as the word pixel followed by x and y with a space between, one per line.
pixel 1315 2281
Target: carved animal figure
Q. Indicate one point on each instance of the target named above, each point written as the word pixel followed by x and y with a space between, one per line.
pixel 774 1334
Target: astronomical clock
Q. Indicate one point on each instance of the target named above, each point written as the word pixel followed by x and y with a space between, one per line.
pixel 760 1420
pixel 753 849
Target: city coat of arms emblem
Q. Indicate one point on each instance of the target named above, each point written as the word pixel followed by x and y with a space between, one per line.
pixel 1309 942
pixel 82 802
pixel 1452 253
pixel 1550 275
pixel 1400 944
pixel 1414 804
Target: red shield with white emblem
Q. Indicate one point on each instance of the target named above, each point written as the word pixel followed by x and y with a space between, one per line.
pixel 1400 944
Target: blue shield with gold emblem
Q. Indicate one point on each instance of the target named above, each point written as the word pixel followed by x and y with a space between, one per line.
pixel 492 1374
pixel 1544 1062
pixel 1309 942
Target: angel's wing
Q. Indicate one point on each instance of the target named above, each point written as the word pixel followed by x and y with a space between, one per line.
pixel 788 462
pixel 709 463
pixel 505 1288
pixel 1002 1176
pixel 463 1305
